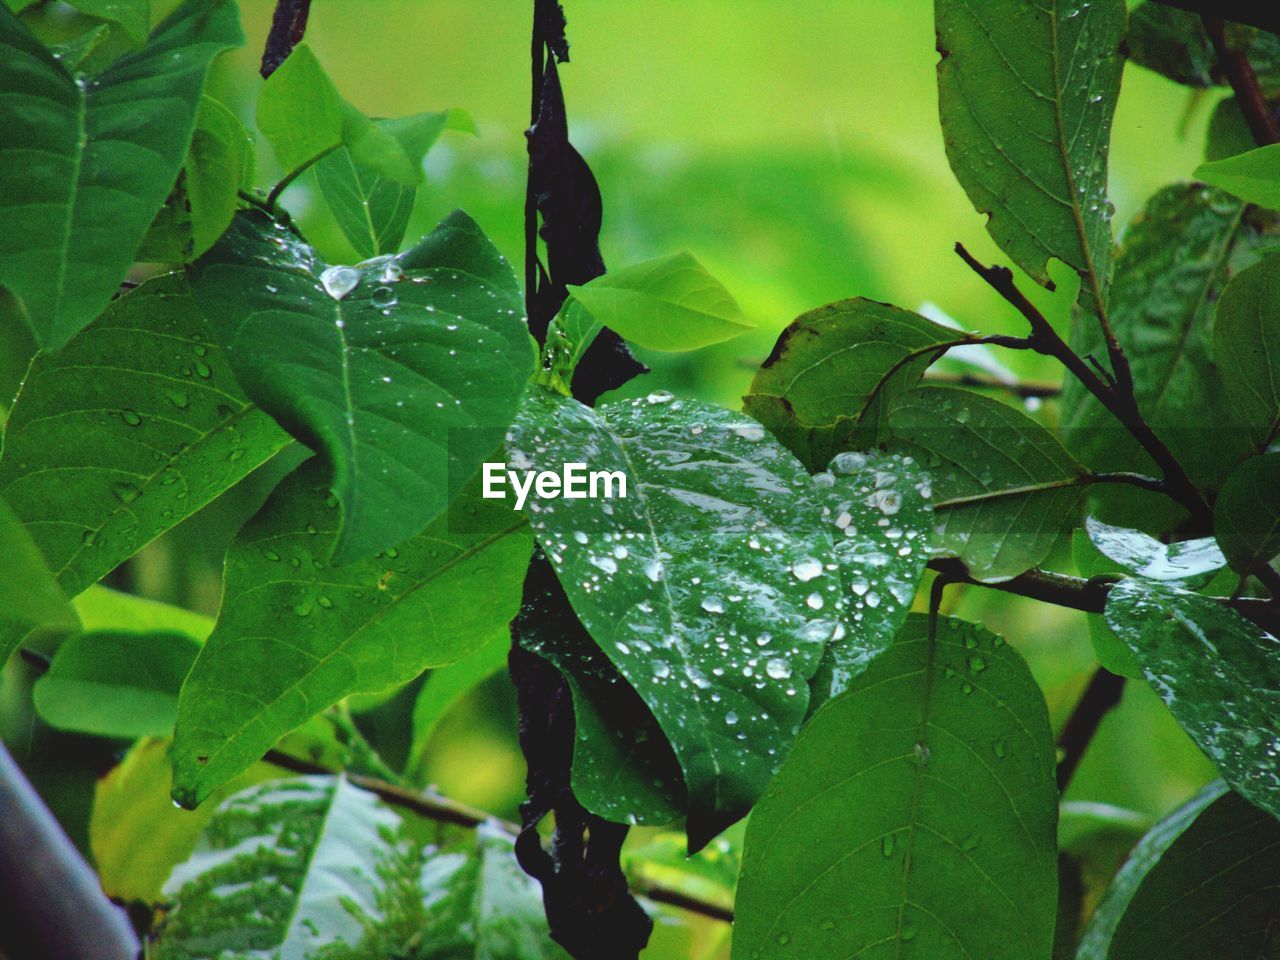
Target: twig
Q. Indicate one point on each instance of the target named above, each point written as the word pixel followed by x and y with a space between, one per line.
pixel 1026 389
pixel 1103 692
pixel 432 806
pixel 288 26
pixel 51 904
pixel 1116 396
pixel 1239 73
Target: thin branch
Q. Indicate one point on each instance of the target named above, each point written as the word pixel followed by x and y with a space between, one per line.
pixel 1239 73
pixel 432 806
pixel 1115 396
pixel 1100 696
pixel 1026 389
pixel 287 180
pixel 288 25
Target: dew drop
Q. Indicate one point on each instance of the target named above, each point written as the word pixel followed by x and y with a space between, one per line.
pixel 339 281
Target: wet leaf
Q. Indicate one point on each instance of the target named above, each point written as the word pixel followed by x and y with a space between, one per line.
pixel 1172 42
pixel 834 372
pixel 1142 556
pixel 30 597
pixel 1246 515
pixel 404 373
pixel 1218 674
pixel 1027 93
pixel 1112 652
pixel 127 431
pixel 915 815
pixel 1246 341
pixel 114 145
pixel 1004 490
pixel 115 684
pixel 670 303
pixel 1200 884
pixel 132 16
pixel 296 633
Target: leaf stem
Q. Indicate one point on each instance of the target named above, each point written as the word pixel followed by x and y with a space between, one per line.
pixel 287 180
pixel 1088 479
pixel 1244 82
pixel 1113 394
pixel 288 25
pixel 1100 696
pixel 1026 389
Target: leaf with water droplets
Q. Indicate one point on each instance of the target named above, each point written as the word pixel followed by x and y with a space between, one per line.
pixel 403 372
pixel 127 431
pixel 1246 341
pixel 1218 673
pixel 1189 562
pixel 297 633
pixel 916 814
pixel 834 372
pixel 698 584
pixel 1246 515
pixel 1200 884
pixel 1027 92
pixel 110 148
pixel 1004 490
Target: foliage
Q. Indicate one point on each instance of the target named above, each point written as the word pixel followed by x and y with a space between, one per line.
pixel 727 626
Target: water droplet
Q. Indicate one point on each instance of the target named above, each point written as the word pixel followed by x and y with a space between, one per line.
pixel 130 417
pixel 887 843
pixel 783 939
pixel 977 664
pixel 814 601
pixel 778 668
pixel 806 569
pixel 384 297
pixel 202 370
pixel 339 281
pixel 661 669
pixel 125 492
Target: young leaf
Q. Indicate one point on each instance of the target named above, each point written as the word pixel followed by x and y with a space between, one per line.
pixel 1253 176
pixel 1142 556
pixel 707 586
pixel 372 209
pixel 404 373
pixel 1218 674
pixel 1175 261
pixel 834 372
pixel 113 147
pixel 1246 515
pixel 101 608
pixel 1004 490
pixel 669 303
pixel 133 427
pixel 1027 93
pixel 914 816
pixel 297 633
pixel 219 166
pixel 1200 884
pixel 115 684
pixel 1246 341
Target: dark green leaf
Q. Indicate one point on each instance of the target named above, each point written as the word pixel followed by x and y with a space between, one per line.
pixel 30 597
pixel 707 586
pixel 296 634
pixel 1200 884
pixel 834 372
pixel 111 147
pixel 1253 176
pixel 669 303
pixel 1003 487
pixel 1175 261
pixel 74 53
pixel 1172 42
pixel 1142 556
pixel 1228 133
pixel 404 373
pixel 133 16
pixel 1027 93
pixel 915 815
pixel 1246 341
pixel 116 684
pixel 1246 515
pixel 1218 674
pixel 127 431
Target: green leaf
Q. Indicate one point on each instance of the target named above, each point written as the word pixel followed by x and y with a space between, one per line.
pixel 834 372
pixel 101 608
pixel 31 600
pixel 300 110
pixel 133 427
pixel 669 303
pixel 219 166
pixel 404 373
pixel 1142 556
pixel 1228 133
pixel 623 766
pixel 1218 674
pixel 74 53
pixel 1027 94
pixel 1246 515
pixel 111 147
pixel 1200 884
pixel 1112 653
pixel 114 684
pixel 317 868
pixel 716 559
pixel 1253 176
pixel 372 209
pixel 297 634
pixel 1173 43
pixel 1003 488
pixel 1176 259
pixel 915 815
pixel 133 16
pixel 1246 341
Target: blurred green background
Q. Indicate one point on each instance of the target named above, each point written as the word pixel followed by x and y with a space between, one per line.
pixel 795 149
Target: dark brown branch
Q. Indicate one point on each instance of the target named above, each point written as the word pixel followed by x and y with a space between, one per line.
pixel 1117 396
pixel 51 905
pixel 288 26
pixel 1100 696
pixel 1026 389
pixel 1239 73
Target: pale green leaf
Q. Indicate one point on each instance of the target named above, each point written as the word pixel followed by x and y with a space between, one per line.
pixel 1253 176
pixel 300 111
pixel 1142 556
pixel 101 608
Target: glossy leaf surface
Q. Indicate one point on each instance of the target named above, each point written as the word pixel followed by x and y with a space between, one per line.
pixel 1143 556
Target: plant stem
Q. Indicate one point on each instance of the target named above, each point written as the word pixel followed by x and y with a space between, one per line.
pixel 288 25
pixel 1100 696
pixel 287 180
pixel 1113 394
pixel 1025 389
pixel 1244 82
